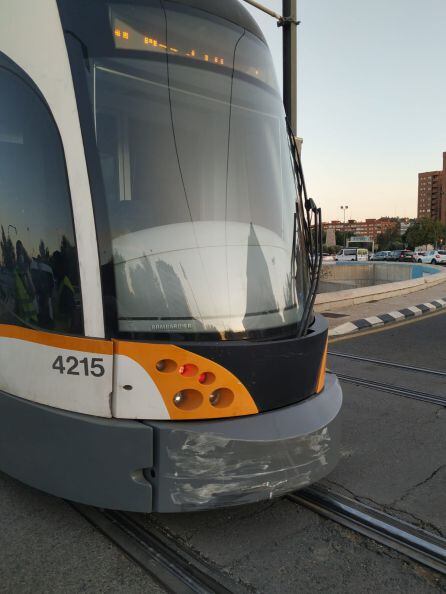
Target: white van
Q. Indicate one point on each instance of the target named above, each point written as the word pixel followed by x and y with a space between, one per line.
pixel 353 255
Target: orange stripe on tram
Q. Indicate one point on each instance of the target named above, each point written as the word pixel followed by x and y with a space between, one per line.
pixel 71 343
pixel 322 371
pixel 191 386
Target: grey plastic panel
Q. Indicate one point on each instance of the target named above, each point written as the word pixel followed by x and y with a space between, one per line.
pixel 210 464
pixel 82 458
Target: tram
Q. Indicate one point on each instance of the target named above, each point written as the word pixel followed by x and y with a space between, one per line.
pixel 159 259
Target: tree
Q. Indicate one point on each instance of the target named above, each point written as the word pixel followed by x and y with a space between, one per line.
pixel 331 249
pixel 342 237
pixel 44 252
pixel 424 232
pixel 314 236
pixel 8 252
pixel 390 239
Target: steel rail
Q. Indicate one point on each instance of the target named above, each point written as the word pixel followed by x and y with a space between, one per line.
pixel 388 364
pixel 424 547
pixel 171 565
pixel 392 389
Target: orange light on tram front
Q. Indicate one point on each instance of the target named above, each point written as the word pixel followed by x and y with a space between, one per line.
pixel 117 32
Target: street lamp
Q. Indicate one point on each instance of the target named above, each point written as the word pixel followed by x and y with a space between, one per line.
pixel 344 208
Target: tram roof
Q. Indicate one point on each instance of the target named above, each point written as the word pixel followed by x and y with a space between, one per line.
pixel 231 10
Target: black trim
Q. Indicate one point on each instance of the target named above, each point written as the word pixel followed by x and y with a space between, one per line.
pixel 276 373
pixel 10 66
pixel 98 28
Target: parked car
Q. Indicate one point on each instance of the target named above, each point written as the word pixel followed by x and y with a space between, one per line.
pixel 417 256
pixel 406 256
pixel 400 256
pixel 380 256
pixel 352 255
pixel 328 257
pixel 432 257
pixel 394 255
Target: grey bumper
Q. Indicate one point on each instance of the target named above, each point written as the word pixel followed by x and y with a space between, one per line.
pixel 211 464
pixel 79 457
pixel 170 466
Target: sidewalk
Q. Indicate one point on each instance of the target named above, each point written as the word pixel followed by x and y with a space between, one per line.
pixel 340 316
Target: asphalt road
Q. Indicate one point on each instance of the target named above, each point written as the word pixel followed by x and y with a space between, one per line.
pixel 394 448
pixel 420 342
pixel 47 547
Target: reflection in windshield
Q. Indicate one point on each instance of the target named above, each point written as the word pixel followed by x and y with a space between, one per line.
pixel 198 178
pixel 39 278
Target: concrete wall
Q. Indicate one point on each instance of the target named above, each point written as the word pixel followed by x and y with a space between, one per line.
pixel 374 272
pixel 372 281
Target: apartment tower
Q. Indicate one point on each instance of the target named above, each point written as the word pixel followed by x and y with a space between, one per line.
pixel 432 194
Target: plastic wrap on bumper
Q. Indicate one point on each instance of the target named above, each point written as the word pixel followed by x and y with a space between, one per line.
pixel 211 464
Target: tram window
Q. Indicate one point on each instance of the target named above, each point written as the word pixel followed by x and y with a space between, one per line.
pixel 198 176
pixel 39 278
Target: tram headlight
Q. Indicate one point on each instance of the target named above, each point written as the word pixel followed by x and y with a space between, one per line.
pixel 214 398
pixel 179 398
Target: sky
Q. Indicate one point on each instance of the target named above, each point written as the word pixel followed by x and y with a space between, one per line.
pixel 371 100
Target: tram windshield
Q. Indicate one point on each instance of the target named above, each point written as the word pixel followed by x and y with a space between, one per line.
pixel 198 176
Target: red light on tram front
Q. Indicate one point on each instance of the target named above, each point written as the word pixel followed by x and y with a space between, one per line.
pixel 188 370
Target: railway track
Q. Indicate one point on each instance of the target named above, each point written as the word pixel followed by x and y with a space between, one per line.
pixel 182 572
pixel 437 399
pixel 417 544
pixel 176 568
pixel 382 363
pixel 393 389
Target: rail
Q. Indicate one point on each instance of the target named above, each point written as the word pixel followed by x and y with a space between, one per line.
pixel 424 547
pixel 382 363
pixel 160 556
pixel 392 389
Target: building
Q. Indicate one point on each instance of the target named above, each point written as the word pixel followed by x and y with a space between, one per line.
pixel 432 194
pixel 370 227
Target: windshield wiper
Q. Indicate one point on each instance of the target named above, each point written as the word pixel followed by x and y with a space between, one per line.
pixel 310 226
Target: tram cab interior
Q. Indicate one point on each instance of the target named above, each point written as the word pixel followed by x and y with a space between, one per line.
pixel 158 266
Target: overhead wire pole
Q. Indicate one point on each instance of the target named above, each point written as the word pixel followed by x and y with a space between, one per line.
pixel 289 23
pixel 287 20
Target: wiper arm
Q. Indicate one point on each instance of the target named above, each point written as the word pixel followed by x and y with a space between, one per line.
pixel 311 221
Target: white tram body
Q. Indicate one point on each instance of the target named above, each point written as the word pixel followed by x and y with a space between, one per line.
pixel 149 358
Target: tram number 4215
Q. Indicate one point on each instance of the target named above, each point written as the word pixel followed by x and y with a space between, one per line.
pixel 74 366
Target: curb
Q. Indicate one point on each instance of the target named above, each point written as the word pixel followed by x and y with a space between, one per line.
pixel 388 318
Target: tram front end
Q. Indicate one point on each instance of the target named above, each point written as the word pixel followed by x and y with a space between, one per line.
pixel 201 379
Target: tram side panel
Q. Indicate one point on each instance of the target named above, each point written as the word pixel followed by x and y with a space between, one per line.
pixel 56 433
pixel 32 45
